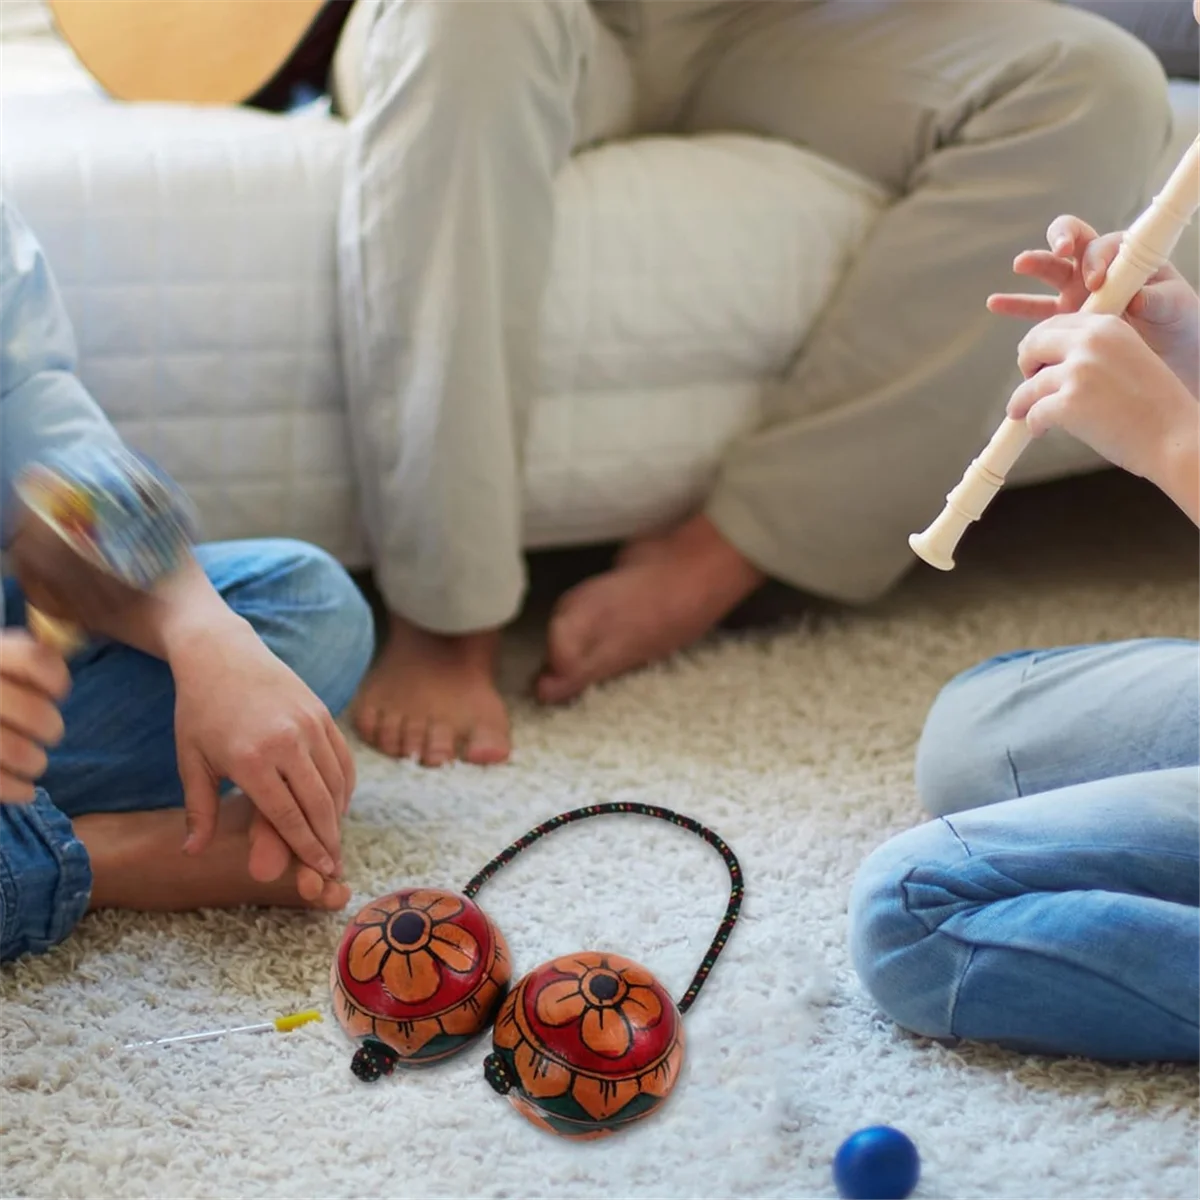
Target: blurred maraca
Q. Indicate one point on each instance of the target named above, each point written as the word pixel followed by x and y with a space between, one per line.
pixel 97 515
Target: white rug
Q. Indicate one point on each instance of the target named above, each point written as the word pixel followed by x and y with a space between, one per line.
pixel 795 743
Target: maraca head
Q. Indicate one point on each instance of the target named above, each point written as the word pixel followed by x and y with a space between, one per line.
pixel 421 971
pixel 586 1044
pixel 112 508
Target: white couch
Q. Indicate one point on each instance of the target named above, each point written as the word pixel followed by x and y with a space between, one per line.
pixel 196 253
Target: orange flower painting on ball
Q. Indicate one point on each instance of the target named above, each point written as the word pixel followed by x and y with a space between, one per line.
pixel 421 971
pixel 411 938
pixel 610 1002
pixel 586 1044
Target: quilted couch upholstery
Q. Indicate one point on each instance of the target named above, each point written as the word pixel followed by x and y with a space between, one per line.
pixel 196 253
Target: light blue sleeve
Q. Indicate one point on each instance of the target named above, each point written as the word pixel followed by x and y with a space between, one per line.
pixel 43 405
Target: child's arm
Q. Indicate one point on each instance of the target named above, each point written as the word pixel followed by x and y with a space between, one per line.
pixel 241 714
pixel 1181 474
pixel 43 406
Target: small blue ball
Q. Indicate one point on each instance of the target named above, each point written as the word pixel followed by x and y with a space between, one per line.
pixel 877 1163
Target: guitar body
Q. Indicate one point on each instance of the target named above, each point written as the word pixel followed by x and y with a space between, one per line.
pixel 190 51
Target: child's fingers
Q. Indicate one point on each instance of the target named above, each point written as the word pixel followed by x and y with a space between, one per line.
pixel 31 712
pixel 1048 268
pixel 1047 413
pixel 349 772
pixel 326 761
pixel 22 756
pixel 1033 391
pixel 1031 308
pixel 319 805
pixel 1047 343
pixel 1067 236
pixel 1097 258
pixel 1161 302
pixel 24 660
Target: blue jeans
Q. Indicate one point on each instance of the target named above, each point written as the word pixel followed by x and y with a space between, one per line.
pixel 118 754
pixel 1054 904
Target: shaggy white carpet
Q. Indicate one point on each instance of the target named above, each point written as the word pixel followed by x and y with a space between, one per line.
pixel 795 742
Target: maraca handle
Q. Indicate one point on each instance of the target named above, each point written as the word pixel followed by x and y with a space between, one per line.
pixel 57 634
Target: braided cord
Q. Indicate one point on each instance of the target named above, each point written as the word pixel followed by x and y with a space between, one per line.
pixel 736 885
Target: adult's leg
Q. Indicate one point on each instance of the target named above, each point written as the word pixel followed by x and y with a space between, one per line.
pixel 461 115
pixel 1040 720
pixel 1059 923
pixel 986 118
pixel 107 827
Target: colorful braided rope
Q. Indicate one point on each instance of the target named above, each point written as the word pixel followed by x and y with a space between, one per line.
pixel 736 885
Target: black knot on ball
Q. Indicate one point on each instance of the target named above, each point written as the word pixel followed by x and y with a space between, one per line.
pixel 371 1060
pixel 498 1075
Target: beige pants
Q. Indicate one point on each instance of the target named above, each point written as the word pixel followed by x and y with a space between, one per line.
pixel 986 118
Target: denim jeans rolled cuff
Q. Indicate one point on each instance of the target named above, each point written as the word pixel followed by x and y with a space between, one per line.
pixel 45 878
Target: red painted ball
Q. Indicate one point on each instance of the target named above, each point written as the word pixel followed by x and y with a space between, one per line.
pixel 418 975
pixel 586 1044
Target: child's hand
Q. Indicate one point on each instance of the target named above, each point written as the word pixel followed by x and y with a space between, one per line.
pixel 34 681
pixel 242 714
pixel 1095 378
pixel 1166 312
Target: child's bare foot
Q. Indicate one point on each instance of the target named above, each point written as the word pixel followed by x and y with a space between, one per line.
pixel 138 863
pixel 433 697
pixel 664 594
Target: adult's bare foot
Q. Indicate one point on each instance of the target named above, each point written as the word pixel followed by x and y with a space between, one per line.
pixel 663 594
pixel 433 697
pixel 138 863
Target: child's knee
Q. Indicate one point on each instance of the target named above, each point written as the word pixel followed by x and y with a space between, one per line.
pixel 890 944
